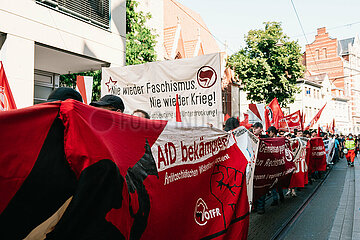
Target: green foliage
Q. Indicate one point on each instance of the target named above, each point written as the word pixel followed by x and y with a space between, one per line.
pixel 69 80
pixel 140 42
pixel 269 65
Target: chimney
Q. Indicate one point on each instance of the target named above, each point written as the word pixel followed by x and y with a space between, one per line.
pixel 321 31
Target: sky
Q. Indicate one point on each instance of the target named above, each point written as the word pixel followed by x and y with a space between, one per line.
pixel 230 20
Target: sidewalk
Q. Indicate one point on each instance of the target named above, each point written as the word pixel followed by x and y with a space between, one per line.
pixel 347 219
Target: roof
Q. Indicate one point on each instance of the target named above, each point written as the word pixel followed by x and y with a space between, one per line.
pixel 192 25
pixel 309 82
pixel 343 46
pixel 317 78
pixel 169 35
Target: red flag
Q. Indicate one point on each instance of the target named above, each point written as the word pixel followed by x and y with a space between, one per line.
pixel 7 101
pixel 273 114
pixel 331 128
pixel 315 119
pixel 245 122
pixel 226 117
pixel 318 131
pixel 178 115
pixel 291 122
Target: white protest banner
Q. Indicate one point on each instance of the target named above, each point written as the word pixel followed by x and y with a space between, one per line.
pixel 248 143
pixel 154 86
pixel 329 149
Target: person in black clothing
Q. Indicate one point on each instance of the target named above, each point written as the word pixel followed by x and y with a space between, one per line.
pixel 271 132
pixel 63 93
pixel 110 102
pixel 231 124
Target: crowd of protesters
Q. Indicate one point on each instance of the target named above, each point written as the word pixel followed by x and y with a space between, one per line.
pixel 345 146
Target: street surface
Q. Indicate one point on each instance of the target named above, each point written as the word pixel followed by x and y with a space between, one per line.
pixel 329 214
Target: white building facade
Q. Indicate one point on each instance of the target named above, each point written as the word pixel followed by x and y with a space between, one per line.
pixel 42 39
pixel 315 92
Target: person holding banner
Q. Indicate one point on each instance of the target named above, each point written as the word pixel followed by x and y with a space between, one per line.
pixel 64 93
pixel 350 146
pixel 231 124
pixel 337 145
pixel 299 134
pixel 272 131
pixel 259 204
pixel 110 102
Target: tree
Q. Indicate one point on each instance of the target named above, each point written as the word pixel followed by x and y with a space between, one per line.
pixel 140 41
pixel 140 47
pixel 69 80
pixel 269 65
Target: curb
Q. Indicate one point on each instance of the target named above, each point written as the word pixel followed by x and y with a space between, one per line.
pixel 356 222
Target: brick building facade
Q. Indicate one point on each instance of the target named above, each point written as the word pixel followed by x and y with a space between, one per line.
pixel 340 59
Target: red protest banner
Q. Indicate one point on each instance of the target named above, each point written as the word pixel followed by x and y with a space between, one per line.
pixel 316 155
pixel 300 176
pixel 274 165
pixel 118 176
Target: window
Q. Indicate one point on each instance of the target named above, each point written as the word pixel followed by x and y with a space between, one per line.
pixel 44 83
pixel 96 12
pixel 324 53
pixel 317 54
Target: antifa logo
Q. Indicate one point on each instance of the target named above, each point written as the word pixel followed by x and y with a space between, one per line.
pixel 206 77
pixel 4 105
pixel 200 209
pixel 270 113
pixel 202 214
pixel 295 119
